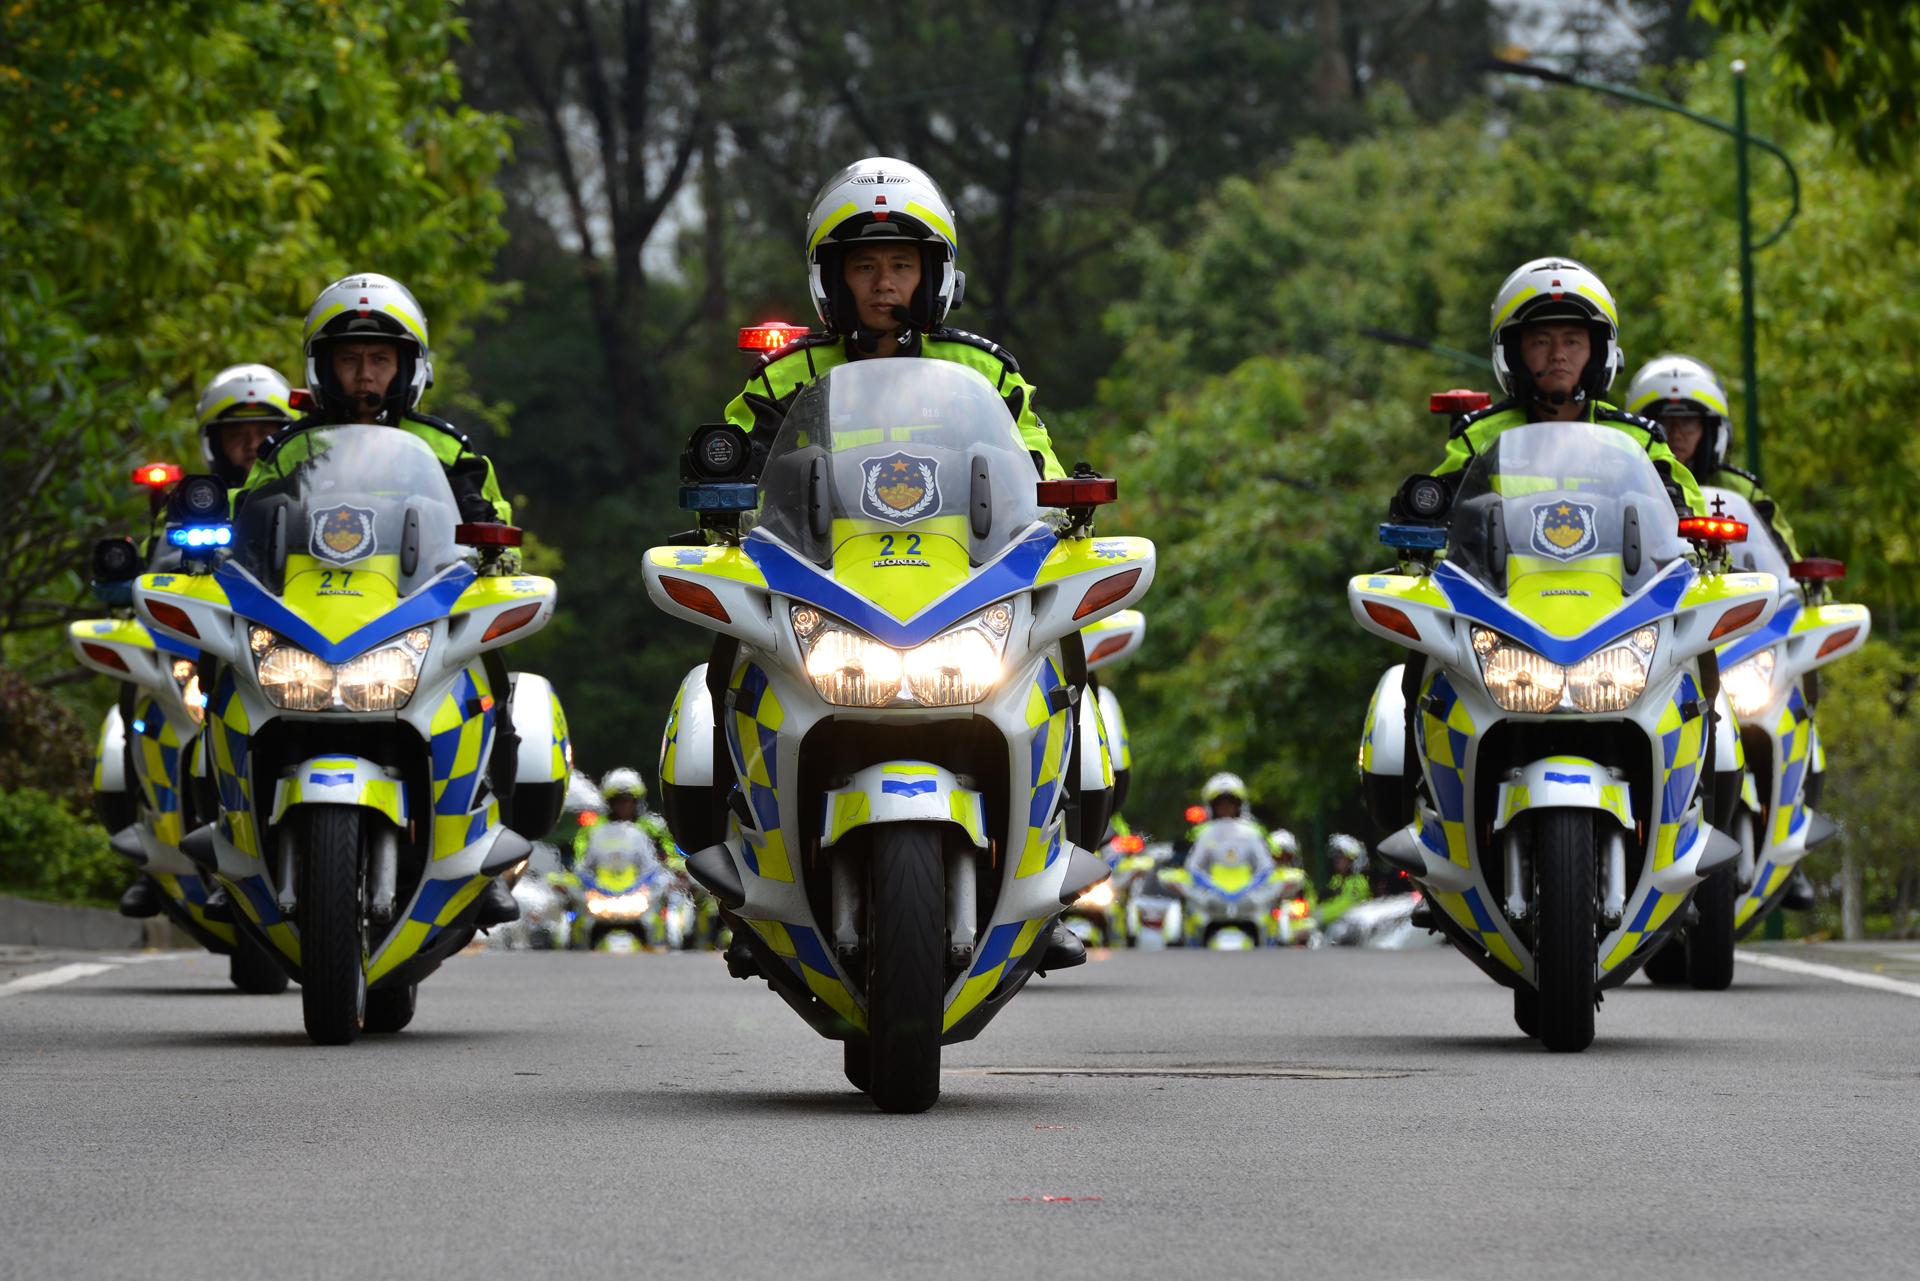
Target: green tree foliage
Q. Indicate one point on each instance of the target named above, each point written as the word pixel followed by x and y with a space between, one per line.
pixel 1851 64
pixel 1258 433
pixel 177 179
pixel 47 851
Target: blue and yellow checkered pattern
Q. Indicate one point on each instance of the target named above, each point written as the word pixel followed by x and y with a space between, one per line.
pixel 1047 767
pixel 753 736
pixel 801 948
pixel 230 734
pixel 1446 732
pixel 462 738
pixel 1004 945
pixel 1682 743
pixel 156 764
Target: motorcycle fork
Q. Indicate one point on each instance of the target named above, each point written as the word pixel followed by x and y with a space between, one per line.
pixel 848 893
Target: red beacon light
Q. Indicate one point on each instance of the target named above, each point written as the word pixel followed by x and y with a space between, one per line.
pixel 157 475
pixel 1129 843
pixel 1713 529
pixel 300 400
pixel 771 336
pixel 1458 400
pixel 588 818
pixel 1078 491
pixel 1196 813
pixel 1815 569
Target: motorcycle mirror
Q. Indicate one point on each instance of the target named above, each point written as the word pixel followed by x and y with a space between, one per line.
pixel 116 560
pixel 410 543
pixel 1817 569
pixel 1458 400
pixel 1630 540
pixel 487 534
pixel 277 567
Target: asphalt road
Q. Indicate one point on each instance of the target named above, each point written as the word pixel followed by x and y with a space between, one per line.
pixel 567 1115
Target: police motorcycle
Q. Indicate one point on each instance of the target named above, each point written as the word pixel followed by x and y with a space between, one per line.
pixel 1559 704
pixel 1154 913
pixel 361 806
pixel 1231 892
pixel 628 899
pixel 1768 681
pixel 896 684
pixel 148 747
pixel 546 910
pixel 1099 916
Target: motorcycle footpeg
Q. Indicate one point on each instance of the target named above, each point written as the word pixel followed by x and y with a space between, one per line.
pixel 219 907
pixel 740 961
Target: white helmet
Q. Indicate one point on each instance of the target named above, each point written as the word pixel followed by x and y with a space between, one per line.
pixel 1682 385
pixel 582 795
pixel 239 393
pixel 1340 843
pixel 881 199
pixel 1223 784
pixel 367 307
pixel 624 781
pixel 1549 289
pixel 1285 846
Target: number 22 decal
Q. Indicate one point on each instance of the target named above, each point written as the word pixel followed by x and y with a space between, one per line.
pixel 913 544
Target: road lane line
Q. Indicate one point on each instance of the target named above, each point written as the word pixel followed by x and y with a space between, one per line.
pixel 1838 973
pixel 52 978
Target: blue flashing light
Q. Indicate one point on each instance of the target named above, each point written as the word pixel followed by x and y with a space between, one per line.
pixel 730 496
pixel 139 727
pixel 1414 537
pixel 200 537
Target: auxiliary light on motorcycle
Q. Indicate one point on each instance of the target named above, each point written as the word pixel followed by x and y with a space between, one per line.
pixel 771 336
pixel 1099 896
pixel 1297 909
pixel 1196 813
pixel 156 475
pixel 200 537
pixel 1749 684
pixel 618 906
pixel 1713 529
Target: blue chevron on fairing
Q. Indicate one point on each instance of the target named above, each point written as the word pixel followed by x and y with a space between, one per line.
pixel 1778 628
pixel 1649 605
pixel 1013 571
pixel 255 604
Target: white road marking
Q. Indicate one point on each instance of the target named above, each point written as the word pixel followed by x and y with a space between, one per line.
pixel 81 970
pixel 52 978
pixel 1838 973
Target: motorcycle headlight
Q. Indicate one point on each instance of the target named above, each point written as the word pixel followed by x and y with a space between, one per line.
pixel 1612 679
pixel 1100 896
pixel 1519 679
pixel 296 680
pixel 380 680
pixel 851 669
pixel 1749 684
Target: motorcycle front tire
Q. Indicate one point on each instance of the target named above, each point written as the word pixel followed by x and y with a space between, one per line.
pixel 333 974
pixel 906 965
pixel 1710 939
pixel 1566 850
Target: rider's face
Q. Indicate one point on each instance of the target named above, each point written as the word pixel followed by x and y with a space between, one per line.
pixel 366 369
pixel 1683 435
pixel 240 441
pixel 1226 807
pixel 882 277
pixel 624 808
pixel 1556 355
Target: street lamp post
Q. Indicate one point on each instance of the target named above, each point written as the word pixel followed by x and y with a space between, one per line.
pixel 1738 131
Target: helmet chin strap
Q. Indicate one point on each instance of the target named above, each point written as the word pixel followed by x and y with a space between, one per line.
pixel 868 341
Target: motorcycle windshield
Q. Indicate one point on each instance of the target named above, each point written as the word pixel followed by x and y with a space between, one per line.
pixel 900 453
pixel 365 512
pixel 1555 510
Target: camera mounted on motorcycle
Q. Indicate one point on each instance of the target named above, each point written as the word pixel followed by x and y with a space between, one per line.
pixel 1458 400
pixel 116 560
pixel 715 472
pixel 198 500
pixel 487 533
pixel 1817 569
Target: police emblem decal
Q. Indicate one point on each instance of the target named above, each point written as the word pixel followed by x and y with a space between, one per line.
pixel 900 488
pixel 342 535
pixel 1564 530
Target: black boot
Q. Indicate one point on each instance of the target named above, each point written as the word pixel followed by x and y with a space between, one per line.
pixel 1064 950
pixel 1799 895
pixel 1422 917
pixel 740 959
pixel 219 907
pixel 497 905
pixel 141 900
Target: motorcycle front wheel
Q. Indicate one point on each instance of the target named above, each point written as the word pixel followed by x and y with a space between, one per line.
pixel 1566 848
pixel 906 965
pixel 1710 939
pixel 333 933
